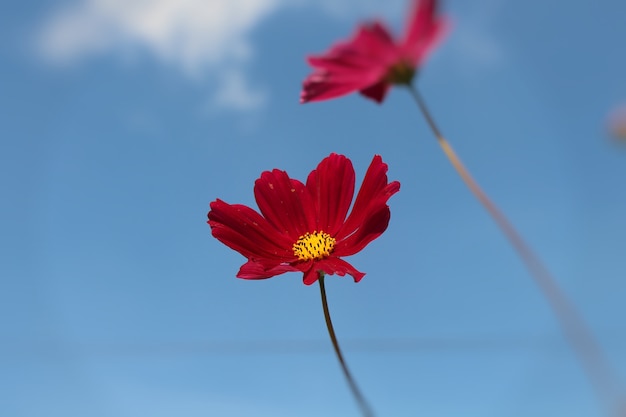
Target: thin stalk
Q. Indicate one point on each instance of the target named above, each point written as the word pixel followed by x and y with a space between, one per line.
pixel 576 331
pixel 365 408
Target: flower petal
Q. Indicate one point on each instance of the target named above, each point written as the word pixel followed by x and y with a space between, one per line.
pixel 318 87
pixel 377 92
pixel 256 270
pixel 373 225
pixel 351 66
pixel 373 41
pixel 311 276
pixel 331 186
pixel 280 200
pixel 373 195
pixel 370 45
pixel 424 31
pixel 420 20
pixel 241 228
pixel 334 265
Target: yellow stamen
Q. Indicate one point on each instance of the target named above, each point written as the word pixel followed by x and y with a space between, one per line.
pixel 316 245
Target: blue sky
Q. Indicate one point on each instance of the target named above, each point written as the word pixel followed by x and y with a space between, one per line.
pixel 121 120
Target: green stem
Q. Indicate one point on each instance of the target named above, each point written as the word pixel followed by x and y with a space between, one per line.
pixel 589 353
pixel 365 408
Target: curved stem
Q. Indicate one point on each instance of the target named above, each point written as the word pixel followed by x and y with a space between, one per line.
pixel 365 408
pixel 589 353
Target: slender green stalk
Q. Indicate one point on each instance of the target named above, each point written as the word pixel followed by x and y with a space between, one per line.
pixel 365 408
pixel 579 335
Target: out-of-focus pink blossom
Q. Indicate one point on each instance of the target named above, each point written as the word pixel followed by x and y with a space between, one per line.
pixel 372 61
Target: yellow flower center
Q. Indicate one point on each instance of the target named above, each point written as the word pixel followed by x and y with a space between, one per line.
pixel 316 245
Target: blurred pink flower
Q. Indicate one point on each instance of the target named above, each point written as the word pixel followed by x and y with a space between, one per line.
pixel 617 123
pixel 372 61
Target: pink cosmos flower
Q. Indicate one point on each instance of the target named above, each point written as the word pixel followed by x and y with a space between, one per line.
pixel 372 61
pixel 306 227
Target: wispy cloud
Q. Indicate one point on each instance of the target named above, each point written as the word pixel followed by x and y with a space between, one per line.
pixel 617 122
pixel 188 33
pixel 472 42
pixel 235 93
pixel 194 35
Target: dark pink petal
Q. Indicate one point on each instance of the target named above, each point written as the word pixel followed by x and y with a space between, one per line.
pixel 342 67
pixel 246 231
pixel 327 84
pixel 256 270
pixel 424 31
pixel 310 276
pixel 319 87
pixel 349 75
pixel 351 66
pixel 377 92
pixel 374 41
pixel 331 185
pixel 417 53
pixel 374 224
pixel 280 200
pixel 371 43
pixel 420 20
pixel 338 266
pixel 374 193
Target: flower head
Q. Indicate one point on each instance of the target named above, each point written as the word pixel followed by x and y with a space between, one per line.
pixel 617 123
pixel 306 227
pixel 372 61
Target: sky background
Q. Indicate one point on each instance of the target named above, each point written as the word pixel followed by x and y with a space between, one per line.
pixel 121 120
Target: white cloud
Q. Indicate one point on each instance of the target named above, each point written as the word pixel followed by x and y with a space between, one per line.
pixel 188 33
pixel 472 41
pixel 235 93
pixel 193 35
